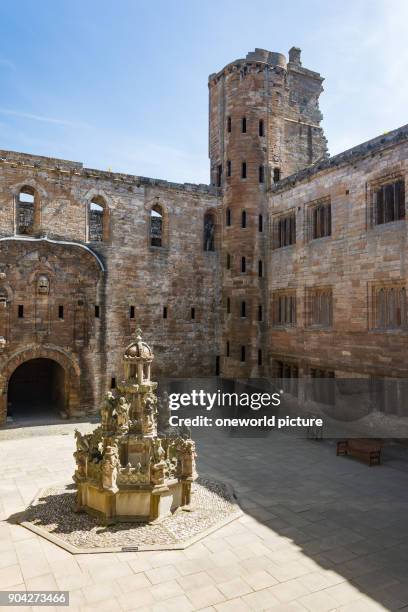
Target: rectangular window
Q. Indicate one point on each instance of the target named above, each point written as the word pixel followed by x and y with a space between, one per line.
pixel 244 125
pixel 243 356
pixel 389 202
pixel 60 312
pixel 389 307
pixel 260 312
pixel 261 127
pixel 323 386
pixel 243 264
pixel 21 311
pixel 229 167
pixel 319 307
pixel 219 175
pixel 229 124
pixel 284 308
pixel 217 365
pixel 261 174
pixel 259 357
pixel 228 261
pixel 284 231
pixel 260 223
pixel 164 312
pixel 131 312
pixel 193 313
pixel 243 309
pixel 227 349
pixel 97 311
pixel 260 268
pixel 113 383
pixel 287 375
pixel 244 170
pixel 319 217
pixel 228 305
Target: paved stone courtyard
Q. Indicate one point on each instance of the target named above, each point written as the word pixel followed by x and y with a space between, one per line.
pixel 319 532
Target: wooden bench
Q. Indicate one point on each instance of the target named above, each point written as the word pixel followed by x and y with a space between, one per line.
pixel 366 449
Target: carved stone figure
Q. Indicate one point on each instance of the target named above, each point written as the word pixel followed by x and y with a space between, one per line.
pixel 188 455
pixel 107 408
pixel 122 415
pixel 43 285
pixel 110 464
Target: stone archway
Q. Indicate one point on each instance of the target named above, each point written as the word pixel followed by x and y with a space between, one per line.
pixel 66 370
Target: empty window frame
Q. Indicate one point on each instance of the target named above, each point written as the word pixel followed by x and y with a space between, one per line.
pixel 229 124
pixel 320 307
pixel 322 389
pixel 261 174
pixel 243 353
pixel 229 167
pixel 243 170
pixel 284 231
pixel 228 217
pixel 227 349
pixel 284 308
pixel 260 223
pixel 26 211
pixel 60 312
pixel 209 232
pixel 131 312
pixel 261 127
pixel 243 125
pixel 192 313
pixel 320 220
pixel 243 309
pixel 165 312
pixel 97 311
pixel 389 202
pixel 260 268
pixel 243 264
pixel 286 375
pixel 96 220
pixel 20 311
pixel 156 226
pixel 389 307
pixel 243 219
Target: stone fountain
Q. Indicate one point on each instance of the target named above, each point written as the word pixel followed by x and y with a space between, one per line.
pixel 124 470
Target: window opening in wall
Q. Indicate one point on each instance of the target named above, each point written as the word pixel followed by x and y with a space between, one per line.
pixel 276 175
pixel 131 312
pixel 243 309
pixel 321 220
pixel 228 305
pixel 60 312
pixel 217 365
pixel 243 264
pixel 156 226
pixel 287 374
pixel 25 211
pixel 244 170
pixel 20 311
pixel 259 357
pixel 228 217
pixel 261 127
pixel 389 202
pixel 284 309
pixel 193 313
pixel 284 231
pixel 321 307
pixel 209 231
pixel 227 349
pixel 219 175
pixel 113 383
pixel 229 123
pixel 260 223
pixel 243 351
pixel 261 174
pixel 164 312
pixel 390 307
pixel 260 268
pixel 243 219
pixel 228 261
pixel 96 221
pixel 260 312
pixel 229 167
pixel 244 125
pixel 97 311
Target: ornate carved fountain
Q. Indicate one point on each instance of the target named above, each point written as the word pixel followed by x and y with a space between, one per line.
pixel 124 470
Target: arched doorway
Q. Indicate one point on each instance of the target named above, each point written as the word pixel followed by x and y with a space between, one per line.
pixel 37 389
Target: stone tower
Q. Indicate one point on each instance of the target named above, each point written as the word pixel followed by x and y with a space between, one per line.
pixel 263 125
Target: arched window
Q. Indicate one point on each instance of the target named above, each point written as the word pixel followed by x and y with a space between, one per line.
pixel 97 225
pixel 209 232
pixel 156 226
pixel 26 205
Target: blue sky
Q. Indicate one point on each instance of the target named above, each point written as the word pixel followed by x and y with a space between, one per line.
pixel 123 84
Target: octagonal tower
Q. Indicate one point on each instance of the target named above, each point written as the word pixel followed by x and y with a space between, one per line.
pixel 264 124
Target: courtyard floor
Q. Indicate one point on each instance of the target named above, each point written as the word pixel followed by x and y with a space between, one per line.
pixel 319 532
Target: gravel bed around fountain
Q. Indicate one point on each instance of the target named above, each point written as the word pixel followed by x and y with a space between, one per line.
pixel 51 515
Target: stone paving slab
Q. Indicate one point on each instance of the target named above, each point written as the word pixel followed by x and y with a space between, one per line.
pixel 319 532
